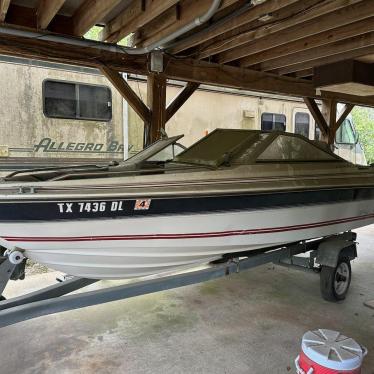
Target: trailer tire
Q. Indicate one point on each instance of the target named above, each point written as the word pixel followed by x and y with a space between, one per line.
pixel 335 282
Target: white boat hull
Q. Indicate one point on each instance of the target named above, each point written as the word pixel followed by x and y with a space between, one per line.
pixel 133 247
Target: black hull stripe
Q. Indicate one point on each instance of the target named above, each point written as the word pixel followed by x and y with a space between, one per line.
pixel 48 210
pixel 191 235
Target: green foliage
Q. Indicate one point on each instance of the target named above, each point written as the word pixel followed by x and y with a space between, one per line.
pixel 363 119
pixel 94 34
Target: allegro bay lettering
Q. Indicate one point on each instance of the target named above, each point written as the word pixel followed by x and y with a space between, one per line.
pixel 49 145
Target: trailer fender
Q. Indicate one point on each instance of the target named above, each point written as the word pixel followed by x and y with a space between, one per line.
pixel 329 252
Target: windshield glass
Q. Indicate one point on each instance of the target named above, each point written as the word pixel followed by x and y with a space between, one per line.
pixel 293 148
pixel 167 153
pixel 153 150
pixel 219 147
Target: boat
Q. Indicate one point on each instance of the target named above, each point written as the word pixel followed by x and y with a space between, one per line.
pixel 169 208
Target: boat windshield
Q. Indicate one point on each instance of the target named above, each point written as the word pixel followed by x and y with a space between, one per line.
pixel 222 147
pixel 228 146
pixel 219 147
pixel 292 148
pixel 162 150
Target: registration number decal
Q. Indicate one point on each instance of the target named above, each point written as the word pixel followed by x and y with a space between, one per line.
pixel 84 208
pixel 91 207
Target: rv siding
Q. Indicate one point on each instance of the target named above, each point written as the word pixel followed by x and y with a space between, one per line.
pixel 24 125
pixel 27 132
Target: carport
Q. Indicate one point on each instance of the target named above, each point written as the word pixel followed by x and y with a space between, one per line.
pixel 318 50
pixel 322 51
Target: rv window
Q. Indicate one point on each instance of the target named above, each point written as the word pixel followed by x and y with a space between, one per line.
pixel 302 124
pixel 77 101
pixel 345 133
pixel 273 122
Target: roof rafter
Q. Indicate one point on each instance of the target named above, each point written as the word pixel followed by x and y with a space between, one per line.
pixel 46 10
pixel 330 49
pixel 4 6
pixel 224 41
pixel 248 16
pixel 133 17
pixel 312 22
pixel 323 38
pixel 345 55
pixel 89 13
pixel 187 10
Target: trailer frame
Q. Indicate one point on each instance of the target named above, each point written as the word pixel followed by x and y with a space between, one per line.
pixel 57 298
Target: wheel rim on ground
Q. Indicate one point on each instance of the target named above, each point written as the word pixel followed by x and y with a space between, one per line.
pixel 341 281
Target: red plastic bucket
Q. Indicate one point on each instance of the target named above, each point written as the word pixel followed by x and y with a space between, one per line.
pixel 329 352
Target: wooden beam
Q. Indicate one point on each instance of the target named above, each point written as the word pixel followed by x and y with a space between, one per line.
pixel 230 76
pixel 21 17
pixel 360 41
pixel 349 99
pixel 188 10
pixel 316 20
pixel 156 98
pixel 321 39
pixel 133 17
pixel 317 115
pixel 127 92
pixel 4 6
pixel 160 23
pixel 349 76
pixel 46 11
pixel 89 13
pixel 182 97
pixel 347 109
pixel 186 70
pixel 240 35
pixel 248 16
pixel 346 55
pixel 65 52
pixel 304 73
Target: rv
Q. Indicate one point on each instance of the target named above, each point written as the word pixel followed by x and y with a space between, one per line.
pixel 60 113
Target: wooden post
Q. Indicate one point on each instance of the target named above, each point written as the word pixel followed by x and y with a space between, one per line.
pixel 327 119
pixel 329 113
pixel 156 100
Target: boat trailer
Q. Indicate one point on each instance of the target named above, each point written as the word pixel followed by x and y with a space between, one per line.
pixel 329 256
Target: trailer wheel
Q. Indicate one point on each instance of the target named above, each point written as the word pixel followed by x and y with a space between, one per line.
pixel 335 282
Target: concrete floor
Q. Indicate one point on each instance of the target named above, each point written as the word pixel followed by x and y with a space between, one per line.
pixel 248 323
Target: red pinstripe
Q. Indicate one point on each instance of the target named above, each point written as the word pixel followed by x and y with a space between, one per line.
pixel 187 235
